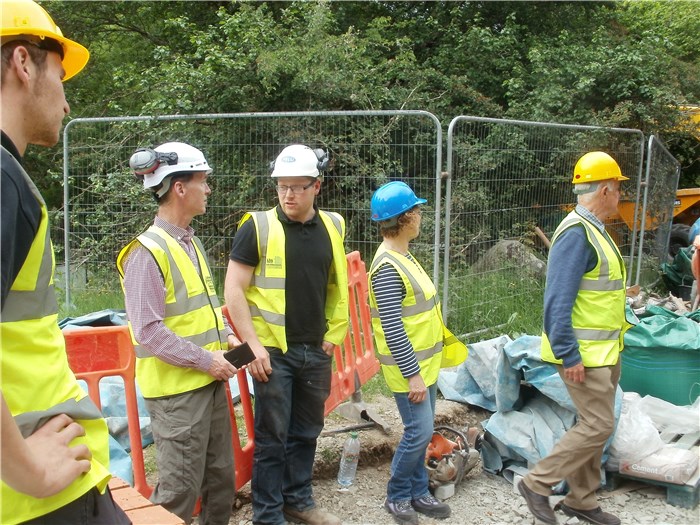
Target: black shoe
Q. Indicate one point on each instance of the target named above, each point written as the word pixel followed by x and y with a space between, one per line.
pixel 596 516
pixel 538 504
pixel 402 511
pixel 431 506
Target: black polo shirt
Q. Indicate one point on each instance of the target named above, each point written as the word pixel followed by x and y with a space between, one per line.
pixel 309 256
pixel 20 214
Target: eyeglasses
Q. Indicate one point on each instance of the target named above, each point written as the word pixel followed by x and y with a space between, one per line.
pixel 296 188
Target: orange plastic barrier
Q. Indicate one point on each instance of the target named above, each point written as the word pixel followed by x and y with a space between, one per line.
pixel 355 360
pixel 97 352
pixel 242 455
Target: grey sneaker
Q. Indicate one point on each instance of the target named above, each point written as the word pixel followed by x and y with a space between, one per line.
pixel 402 511
pixel 431 506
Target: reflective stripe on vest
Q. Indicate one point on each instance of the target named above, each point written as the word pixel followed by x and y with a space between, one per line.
pixel 598 315
pixel 266 293
pixel 37 382
pixel 38 302
pixel 192 311
pixel 420 313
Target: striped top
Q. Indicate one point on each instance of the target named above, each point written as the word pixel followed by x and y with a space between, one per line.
pixel 389 291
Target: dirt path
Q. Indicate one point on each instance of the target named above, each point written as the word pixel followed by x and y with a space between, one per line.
pixel 480 499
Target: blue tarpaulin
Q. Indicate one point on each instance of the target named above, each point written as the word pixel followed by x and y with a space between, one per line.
pixel 532 407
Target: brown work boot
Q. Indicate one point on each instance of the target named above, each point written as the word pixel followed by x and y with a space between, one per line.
pixel 538 504
pixel 314 516
pixel 596 516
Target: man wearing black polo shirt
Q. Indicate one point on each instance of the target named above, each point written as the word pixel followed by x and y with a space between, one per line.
pixel 286 291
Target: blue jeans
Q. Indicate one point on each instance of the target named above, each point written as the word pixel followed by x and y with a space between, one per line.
pixel 409 478
pixel 289 415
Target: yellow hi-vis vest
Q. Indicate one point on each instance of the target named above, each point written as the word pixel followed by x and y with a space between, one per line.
pixel 192 311
pixel 420 312
pixel 265 295
pixel 37 382
pixel 598 315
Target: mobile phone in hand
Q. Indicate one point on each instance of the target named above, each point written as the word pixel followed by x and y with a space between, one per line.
pixel 240 355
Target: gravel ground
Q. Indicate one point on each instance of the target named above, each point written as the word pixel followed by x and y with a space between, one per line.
pixel 481 498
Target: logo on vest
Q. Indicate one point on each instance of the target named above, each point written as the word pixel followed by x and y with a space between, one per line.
pixel 274 262
pixel 209 282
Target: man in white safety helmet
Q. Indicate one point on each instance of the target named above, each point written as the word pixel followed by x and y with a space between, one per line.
pixel 180 336
pixel 286 287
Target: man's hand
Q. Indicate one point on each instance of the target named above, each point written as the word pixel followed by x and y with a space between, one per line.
pixel 261 367
pixel 417 390
pixel 328 348
pixel 220 368
pixel 44 463
pixel 576 373
pixel 61 463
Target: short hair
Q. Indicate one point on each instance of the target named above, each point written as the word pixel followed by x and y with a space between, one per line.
pixel 37 54
pixel 585 190
pixel 184 176
pixel 391 228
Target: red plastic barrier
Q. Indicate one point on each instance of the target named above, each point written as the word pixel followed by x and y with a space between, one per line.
pixel 97 352
pixel 242 455
pixel 355 360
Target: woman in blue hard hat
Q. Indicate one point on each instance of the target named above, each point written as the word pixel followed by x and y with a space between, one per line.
pixel 409 334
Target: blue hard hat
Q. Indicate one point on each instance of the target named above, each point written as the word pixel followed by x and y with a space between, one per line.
pixel 694 231
pixel 393 199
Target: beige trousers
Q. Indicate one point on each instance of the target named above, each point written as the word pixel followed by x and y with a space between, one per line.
pixel 577 456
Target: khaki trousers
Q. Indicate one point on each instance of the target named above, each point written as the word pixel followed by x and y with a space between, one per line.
pixel 194 453
pixel 577 456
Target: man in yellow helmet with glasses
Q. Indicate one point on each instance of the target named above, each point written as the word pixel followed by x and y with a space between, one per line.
pixel 55 453
pixel 584 324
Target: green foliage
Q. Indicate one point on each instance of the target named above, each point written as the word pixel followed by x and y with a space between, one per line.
pixel 475 302
pixel 625 64
pixel 90 301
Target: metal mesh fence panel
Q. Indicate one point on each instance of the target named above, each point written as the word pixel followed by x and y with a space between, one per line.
pixel 105 206
pixel 656 215
pixel 510 181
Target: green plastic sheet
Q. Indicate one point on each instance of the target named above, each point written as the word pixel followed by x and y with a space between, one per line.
pixel 661 357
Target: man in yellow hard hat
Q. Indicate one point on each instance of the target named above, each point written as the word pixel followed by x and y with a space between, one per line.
pixel 55 453
pixel 584 324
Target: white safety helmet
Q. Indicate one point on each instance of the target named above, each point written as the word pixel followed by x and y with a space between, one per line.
pixel 298 160
pixel 154 165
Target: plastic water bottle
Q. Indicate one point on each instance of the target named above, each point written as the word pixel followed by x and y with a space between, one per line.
pixel 348 461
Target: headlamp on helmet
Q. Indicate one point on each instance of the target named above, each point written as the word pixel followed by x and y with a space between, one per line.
pixel 155 166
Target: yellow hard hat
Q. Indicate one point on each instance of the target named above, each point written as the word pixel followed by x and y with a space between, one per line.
pixel 27 20
pixel 595 166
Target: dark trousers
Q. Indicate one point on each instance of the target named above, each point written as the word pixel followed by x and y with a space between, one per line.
pixel 92 508
pixel 289 416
